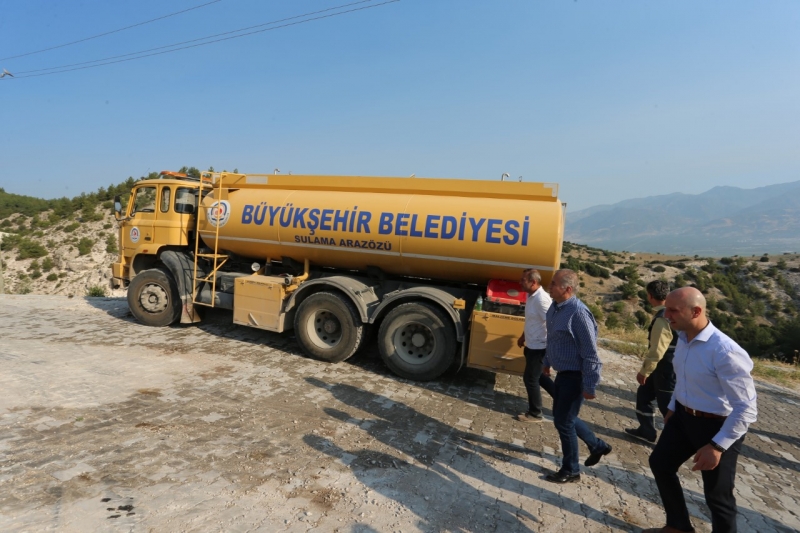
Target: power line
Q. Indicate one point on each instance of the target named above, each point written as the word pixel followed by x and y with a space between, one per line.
pixel 191 40
pixel 109 32
pixel 217 40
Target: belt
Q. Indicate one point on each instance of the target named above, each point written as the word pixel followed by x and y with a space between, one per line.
pixel 701 414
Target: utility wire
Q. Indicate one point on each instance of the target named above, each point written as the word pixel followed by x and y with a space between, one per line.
pixel 216 40
pixel 191 40
pixel 108 32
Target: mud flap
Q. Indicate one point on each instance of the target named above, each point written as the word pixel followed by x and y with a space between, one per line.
pixel 181 267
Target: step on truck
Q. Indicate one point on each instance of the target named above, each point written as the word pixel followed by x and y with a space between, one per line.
pixel 429 266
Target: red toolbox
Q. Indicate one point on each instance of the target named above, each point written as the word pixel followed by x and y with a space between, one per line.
pixel 505 297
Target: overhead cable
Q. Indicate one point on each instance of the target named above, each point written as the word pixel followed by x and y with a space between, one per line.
pixel 192 40
pixel 109 32
pixel 103 62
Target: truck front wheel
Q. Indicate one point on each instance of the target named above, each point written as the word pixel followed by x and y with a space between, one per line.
pixel 328 327
pixel 153 298
pixel 417 341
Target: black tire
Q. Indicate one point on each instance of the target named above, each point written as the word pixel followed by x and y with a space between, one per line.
pixel 417 341
pixel 328 327
pixel 153 298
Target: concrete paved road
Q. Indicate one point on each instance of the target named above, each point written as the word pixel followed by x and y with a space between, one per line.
pixel 107 425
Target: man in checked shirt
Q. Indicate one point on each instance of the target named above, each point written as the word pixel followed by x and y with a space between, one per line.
pixel 572 352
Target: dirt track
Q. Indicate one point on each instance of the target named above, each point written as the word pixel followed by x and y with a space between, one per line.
pixel 108 425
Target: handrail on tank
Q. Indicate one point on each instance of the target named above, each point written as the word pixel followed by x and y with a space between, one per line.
pixel 392 185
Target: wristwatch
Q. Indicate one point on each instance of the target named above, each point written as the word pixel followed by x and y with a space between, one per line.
pixel 717 447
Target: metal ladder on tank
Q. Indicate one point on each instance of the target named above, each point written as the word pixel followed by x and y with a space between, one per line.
pixel 216 259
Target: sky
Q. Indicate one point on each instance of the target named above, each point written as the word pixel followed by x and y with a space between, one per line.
pixel 611 100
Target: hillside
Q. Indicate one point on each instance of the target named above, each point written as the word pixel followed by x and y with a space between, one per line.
pixel 721 221
pixel 67 258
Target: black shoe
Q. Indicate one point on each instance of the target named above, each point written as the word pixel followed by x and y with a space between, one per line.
pixel 594 458
pixel 637 434
pixel 561 477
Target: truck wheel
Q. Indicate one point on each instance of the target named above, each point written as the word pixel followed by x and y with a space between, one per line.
pixel 328 327
pixel 417 341
pixel 153 298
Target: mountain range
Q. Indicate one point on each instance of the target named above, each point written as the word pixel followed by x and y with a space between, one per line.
pixel 721 221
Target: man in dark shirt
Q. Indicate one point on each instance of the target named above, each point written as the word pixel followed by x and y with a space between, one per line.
pixel 656 378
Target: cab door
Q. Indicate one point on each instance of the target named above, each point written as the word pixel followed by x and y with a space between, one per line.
pixel 139 230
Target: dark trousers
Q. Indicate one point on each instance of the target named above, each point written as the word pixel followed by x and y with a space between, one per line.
pixel 534 380
pixel 567 400
pixel 646 395
pixel 683 435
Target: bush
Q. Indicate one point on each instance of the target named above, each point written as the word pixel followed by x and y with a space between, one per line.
pixel 764 259
pixel 96 291
pixel 111 244
pixel 107 225
pixel 30 249
pixel 85 246
pixel 52 276
pixel 641 318
pixel 618 307
pixel 612 322
pixel 596 311
pixel 596 270
pixel 36 274
pixel 69 228
pixel 659 268
pixel 629 289
pixel 47 264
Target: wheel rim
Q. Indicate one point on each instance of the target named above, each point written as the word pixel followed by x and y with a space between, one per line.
pixel 154 298
pixel 414 343
pixel 324 329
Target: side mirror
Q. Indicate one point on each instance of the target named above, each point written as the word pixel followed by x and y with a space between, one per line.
pixel 117 206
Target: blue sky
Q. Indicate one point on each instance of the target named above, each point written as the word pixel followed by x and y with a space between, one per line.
pixel 610 99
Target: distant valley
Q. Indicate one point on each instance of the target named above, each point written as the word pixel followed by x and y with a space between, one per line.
pixel 722 221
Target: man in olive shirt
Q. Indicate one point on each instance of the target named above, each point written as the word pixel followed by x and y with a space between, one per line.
pixel 656 377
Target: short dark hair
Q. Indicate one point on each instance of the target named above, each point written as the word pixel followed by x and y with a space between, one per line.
pixel 658 289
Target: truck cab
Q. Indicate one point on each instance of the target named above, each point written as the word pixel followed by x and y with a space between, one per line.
pixel 160 213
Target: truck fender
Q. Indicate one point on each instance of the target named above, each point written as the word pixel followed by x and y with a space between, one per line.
pixel 181 267
pixel 439 297
pixel 361 294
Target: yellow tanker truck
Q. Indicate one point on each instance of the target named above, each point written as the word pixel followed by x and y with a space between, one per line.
pixel 332 257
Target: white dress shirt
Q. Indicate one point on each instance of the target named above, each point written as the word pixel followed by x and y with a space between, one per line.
pixel 713 375
pixel 536 307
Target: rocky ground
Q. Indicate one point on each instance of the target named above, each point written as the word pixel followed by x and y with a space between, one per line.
pixel 108 425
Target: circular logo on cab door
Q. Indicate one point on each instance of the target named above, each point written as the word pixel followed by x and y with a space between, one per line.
pixel 219 213
pixel 134 234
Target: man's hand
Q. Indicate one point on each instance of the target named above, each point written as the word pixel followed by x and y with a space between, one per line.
pixel 706 458
pixel 546 371
pixel 521 341
pixel 588 396
pixel 667 416
pixel 640 378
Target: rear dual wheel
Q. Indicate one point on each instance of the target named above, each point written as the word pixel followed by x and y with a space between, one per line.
pixel 328 327
pixel 416 341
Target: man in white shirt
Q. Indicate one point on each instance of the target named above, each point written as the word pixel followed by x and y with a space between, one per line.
pixel 713 404
pixel 534 341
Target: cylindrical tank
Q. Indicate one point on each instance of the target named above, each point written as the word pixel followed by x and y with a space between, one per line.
pixel 445 229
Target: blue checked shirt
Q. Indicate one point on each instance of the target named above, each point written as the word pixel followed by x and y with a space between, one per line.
pixel 572 341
